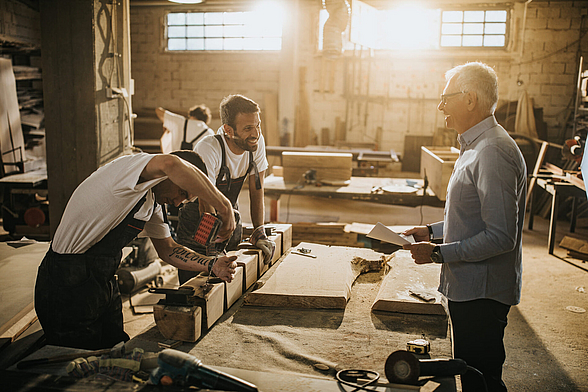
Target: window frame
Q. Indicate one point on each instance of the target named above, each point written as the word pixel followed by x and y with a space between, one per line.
pixel 166 36
pixel 499 7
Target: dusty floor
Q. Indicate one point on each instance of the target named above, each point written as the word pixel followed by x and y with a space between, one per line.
pixel 546 344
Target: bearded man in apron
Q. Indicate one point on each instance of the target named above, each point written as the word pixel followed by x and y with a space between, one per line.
pixel 234 154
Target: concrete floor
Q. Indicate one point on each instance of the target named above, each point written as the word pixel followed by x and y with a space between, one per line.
pixel 546 344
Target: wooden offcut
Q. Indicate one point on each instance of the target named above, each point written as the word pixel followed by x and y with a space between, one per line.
pixel 410 287
pixel 248 260
pixel 328 166
pixel 179 322
pixel 576 247
pixel 211 301
pixel 437 164
pixel 323 282
pixel 234 289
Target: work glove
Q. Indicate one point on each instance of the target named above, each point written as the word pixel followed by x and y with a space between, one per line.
pixel 260 240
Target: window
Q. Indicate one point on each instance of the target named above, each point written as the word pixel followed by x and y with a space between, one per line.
pixel 250 30
pixel 411 27
pixel 482 28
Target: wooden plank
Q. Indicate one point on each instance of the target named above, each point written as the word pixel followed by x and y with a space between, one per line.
pixel 19 271
pixel 285 229
pixel 179 322
pixel 406 284
pixel 316 160
pixel 248 260
pixel 12 144
pixel 234 290
pixel 437 164
pixel 212 302
pixel 19 324
pixel 323 282
pixel 574 244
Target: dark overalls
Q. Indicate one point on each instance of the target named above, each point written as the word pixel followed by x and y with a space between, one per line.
pixel 76 295
pixel 190 214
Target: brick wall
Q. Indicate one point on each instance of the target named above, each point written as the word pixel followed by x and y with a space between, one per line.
pixel 404 88
pixel 19 23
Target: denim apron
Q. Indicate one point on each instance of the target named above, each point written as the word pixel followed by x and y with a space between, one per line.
pixel 77 299
pixel 189 214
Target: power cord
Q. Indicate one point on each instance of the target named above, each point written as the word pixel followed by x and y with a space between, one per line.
pixel 351 377
pixel 425 186
pixel 479 373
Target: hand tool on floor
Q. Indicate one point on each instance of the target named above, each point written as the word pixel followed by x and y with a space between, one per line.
pixel 181 369
pixel 404 367
pixel 114 352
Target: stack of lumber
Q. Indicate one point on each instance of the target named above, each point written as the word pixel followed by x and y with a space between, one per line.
pixel 324 233
pixel 187 322
pixel 330 167
pixel 577 248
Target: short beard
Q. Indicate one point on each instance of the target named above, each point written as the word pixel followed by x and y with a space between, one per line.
pixel 242 144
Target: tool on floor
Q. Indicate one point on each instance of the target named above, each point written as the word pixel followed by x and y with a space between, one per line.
pixel 114 352
pixel 404 367
pixel 181 369
pixel 206 230
pixel 419 346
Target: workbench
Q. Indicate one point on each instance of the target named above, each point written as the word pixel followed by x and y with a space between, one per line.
pixel 277 348
pixel 395 191
pixel 559 185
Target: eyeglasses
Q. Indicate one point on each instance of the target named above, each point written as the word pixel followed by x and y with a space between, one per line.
pixel 445 96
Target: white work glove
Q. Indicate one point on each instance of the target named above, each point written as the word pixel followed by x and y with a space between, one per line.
pixel 260 240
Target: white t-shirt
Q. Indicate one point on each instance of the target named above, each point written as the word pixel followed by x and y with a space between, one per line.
pixel 210 151
pixel 103 200
pixel 175 124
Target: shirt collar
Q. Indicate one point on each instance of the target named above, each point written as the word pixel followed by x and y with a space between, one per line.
pixel 468 137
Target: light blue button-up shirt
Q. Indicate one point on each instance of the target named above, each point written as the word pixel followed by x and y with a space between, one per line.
pixel 484 213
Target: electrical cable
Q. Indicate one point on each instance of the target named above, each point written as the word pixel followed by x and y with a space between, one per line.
pixel 350 377
pixel 479 373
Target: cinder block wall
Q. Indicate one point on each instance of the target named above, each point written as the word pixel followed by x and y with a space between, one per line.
pixel 541 59
pixel 19 23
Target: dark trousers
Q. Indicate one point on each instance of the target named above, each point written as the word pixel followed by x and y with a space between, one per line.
pixel 78 301
pixel 478 332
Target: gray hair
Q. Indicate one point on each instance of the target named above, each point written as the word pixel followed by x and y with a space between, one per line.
pixel 479 78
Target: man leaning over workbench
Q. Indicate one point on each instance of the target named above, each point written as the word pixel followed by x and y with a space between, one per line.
pixel 481 253
pixel 76 294
pixel 235 153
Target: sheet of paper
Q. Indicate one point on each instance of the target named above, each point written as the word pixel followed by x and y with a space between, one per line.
pixel 382 233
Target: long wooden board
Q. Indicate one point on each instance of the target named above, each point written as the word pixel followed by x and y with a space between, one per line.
pixel 18 272
pixel 323 282
pixel 407 286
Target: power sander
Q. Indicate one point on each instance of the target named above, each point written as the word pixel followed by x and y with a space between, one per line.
pixel 403 367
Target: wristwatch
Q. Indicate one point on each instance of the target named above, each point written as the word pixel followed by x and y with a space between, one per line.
pixel 430 232
pixel 436 256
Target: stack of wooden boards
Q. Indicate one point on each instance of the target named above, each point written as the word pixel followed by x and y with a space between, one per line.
pixel 577 248
pixel 330 167
pixel 208 302
pixel 325 233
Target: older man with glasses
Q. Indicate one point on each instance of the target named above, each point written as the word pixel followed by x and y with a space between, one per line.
pixel 481 252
